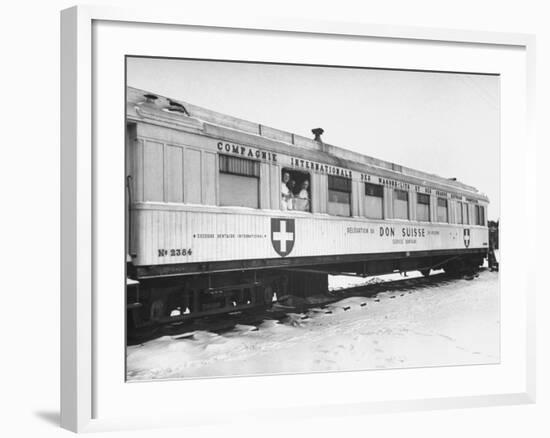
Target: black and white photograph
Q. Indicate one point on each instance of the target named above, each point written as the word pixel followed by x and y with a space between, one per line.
pixel 302 218
pixel 289 218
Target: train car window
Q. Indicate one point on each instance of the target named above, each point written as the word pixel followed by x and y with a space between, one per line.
pixel 295 190
pixel 422 207
pixel 339 196
pixel 480 215
pixel 239 166
pixel 400 204
pixel 374 201
pixel 239 182
pixel 442 210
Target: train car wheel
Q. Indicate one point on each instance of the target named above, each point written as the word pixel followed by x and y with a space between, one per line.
pixel 425 272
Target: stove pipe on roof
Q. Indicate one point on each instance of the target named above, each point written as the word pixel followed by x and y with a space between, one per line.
pixel 317 132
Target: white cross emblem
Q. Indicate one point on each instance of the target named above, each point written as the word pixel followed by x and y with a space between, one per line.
pixel 283 237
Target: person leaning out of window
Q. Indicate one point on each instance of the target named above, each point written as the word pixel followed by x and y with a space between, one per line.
pixel 286 194
pixel 303 196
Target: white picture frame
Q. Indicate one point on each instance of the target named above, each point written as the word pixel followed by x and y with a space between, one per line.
pixel 84 371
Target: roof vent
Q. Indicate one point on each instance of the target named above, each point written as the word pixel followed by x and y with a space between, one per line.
pixel 452 179
pixel 177 107
pixel 150 98
pixel 317 132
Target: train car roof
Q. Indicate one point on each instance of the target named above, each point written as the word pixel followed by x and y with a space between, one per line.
pixel 212 123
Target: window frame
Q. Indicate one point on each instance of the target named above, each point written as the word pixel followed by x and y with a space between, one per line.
pixel 255 174
pixel 340 190
pixel 441 198
pixel 380 188
pixel 291 170
pixel 479 218
pixel 395 191
pixel 428 196
pixel 256 163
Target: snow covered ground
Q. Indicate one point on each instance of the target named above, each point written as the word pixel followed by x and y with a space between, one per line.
pixel 343 281
pixel 455 322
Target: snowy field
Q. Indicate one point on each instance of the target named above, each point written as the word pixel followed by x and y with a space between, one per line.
pixel 454 322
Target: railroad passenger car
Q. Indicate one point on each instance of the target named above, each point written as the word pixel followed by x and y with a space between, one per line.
pixel 225 214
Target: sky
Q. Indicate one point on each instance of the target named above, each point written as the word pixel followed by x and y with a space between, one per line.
pixel 442 123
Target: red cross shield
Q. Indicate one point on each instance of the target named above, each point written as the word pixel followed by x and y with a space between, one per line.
pixel 282 235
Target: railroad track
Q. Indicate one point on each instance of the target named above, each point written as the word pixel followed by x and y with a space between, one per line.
pixel 280 311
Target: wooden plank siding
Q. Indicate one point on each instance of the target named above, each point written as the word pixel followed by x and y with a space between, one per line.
pixel 172 173
pixel 192 170
pixel 178 173
pixel 153 171
pixel 226 233
pixel 412 204
pixel 433 208
pixel 451 208
pixel 209 178
pixel 265 184
pixel 173 161
pixel 388 202
pixel 361 199
pixel 357 198
pixel 181 167
pixel 275 186
pixel 204 122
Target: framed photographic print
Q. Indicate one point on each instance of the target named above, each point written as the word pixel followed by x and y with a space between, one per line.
pixel 251 205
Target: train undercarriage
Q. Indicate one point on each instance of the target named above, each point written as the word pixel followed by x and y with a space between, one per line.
pixel 158 300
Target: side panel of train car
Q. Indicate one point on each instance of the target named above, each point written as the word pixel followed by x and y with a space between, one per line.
pixel 181 234
pixel 209 229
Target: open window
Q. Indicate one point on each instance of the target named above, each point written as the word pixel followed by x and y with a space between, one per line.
pixel 400 204
pixel 339 196
pixel 423 207
pixel 374 201
pixel 239 182
pixel 295 190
